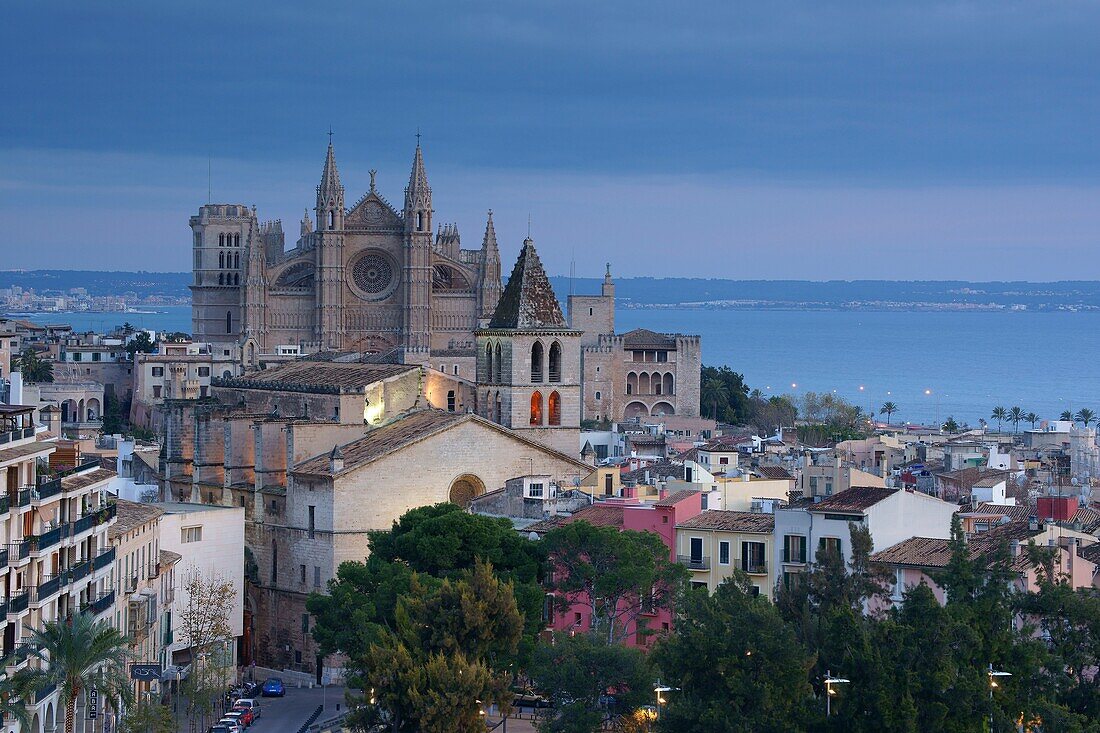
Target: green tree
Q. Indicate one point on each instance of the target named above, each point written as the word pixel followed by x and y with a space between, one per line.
pixel 1066 415
pixel 577 672
pixel 618 575
pixel 148 717
pixel 1032 418
pixel 14 691
pixel 1085 416
pixel 446 658
pixel 1015 415
pixel 736 665
pixel 888 409
pixel 140 343
pixel 724 394
pixel 79 654
pixel 35 369
pixel 999 414
pixel 950 426
pixel 713 393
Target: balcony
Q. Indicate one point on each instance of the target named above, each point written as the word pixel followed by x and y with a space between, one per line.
pixel 84 523
pixel 103 603
pixel 18 603
pixel 794 555
pixel 18 434
pixel 52 537
pixel 17 552
pixel 22 497
pixel 694 562
pixel 154 570
pixel 80 571
pixel 17 658
pixel 44 692
pixel 103 559
pixel 49 587
pixel 755 568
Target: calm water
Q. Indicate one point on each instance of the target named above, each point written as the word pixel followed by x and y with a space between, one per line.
pixel 971 362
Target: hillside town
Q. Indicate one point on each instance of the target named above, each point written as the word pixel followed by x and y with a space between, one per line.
pixel 215 507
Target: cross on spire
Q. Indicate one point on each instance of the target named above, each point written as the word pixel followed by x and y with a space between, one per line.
pixel 330 134
pixel 418 136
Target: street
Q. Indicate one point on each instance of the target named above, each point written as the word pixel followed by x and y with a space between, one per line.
pixel 287 714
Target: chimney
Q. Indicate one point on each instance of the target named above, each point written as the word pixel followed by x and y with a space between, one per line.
pixel 745 476
pixel 336 460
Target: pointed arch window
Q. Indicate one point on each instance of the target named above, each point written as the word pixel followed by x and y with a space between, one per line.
pixel 420 221
pixel 221 260
pixel 221 240
pixel 221 278
pixel 331 219
pixel 499 411
pixel 553 409
pixel 536 362
pixel 236 240
pixel 497 372
pixel 536 408
pixel 229 321
pixel 236 260
pixel 236 278
pixel 489 362
pixel 554 362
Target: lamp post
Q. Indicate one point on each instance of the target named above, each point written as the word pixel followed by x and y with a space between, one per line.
pixel 829 691
pixel 993 675
pixel 659 690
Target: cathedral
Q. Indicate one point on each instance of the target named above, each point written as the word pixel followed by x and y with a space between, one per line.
pixel 368 278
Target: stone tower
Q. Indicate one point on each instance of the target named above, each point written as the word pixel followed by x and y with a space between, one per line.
pixel 417 269
pixel 330 256
pixel 528 361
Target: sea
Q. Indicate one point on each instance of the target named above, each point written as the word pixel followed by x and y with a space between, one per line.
pixel 932 365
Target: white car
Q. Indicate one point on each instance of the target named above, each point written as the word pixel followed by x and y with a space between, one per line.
pixel 232 725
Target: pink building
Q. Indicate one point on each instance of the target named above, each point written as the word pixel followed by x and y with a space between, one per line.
pixel 913 559
pixel 659 517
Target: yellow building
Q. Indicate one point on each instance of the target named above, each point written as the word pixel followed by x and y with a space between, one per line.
pixel 715 543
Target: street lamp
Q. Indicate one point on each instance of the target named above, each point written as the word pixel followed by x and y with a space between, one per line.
pixel 829 691
pixel 661 700
pixel 993 675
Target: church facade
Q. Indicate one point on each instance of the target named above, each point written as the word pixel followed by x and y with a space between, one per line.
pixel 369 278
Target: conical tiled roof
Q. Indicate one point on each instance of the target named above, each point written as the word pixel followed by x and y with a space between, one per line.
pixel 528 301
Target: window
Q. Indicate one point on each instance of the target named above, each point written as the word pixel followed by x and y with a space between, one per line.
pixel 305 623
pixel 553 405
pixel 794 548
pixel 723 553
pixel 302 574
pixel 598 395
pixel 536 362
pixel 829 544
pixel 95 356
pixel 228 322
pixel 608 484
pixel 297 656
pixel 455 368
pixel 156 391
pixel 534 491
pixel 589 311
pixel 312 521
pixel 752 557
pixel 554 362
pixel 451 401
pixel 576 618
pixel 76 356
pixel 191 534
pixel 274 562
pixel 316 576
pixel 536 408
pixel 723 461
pixel 158 371
pixel 204 371
pixel 332 220
pixel 695 549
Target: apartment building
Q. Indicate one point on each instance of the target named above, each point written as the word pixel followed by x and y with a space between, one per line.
pixel 55 560
pixel 178 371
pixel 715 543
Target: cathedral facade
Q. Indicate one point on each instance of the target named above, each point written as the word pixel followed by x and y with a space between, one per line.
pixel 369 278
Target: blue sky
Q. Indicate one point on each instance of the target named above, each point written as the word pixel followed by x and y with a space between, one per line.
pixel 784 139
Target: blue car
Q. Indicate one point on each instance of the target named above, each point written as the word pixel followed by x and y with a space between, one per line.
pixel 273 687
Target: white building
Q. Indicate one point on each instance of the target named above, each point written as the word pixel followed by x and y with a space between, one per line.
pixel 891 515
pixel 210 541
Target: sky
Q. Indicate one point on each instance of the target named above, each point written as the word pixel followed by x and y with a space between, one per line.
pixel 800 139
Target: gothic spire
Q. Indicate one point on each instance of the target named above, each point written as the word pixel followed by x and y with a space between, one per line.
pixel 489 243
pixel 418 192
pixel 330 176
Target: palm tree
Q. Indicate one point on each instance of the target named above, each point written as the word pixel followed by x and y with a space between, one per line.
pixel 713 392
pixel 888 409
pixel 1032 418
pixel 78 654
pixel 35 369
pixel 1085 415
pixel 982 423
pixel 1015 415
pixel 14 692
pixel 1000 414
pixel 1066 415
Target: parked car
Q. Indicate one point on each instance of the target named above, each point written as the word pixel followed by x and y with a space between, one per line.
pixel 218 728
pixel 237 717
pixel 250 704
pixel 231 726
pixel 247 716
pixel 273 687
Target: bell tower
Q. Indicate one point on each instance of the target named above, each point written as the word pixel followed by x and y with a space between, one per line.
pixel 417 270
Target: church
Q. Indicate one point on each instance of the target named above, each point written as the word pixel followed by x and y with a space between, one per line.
pixel 369 278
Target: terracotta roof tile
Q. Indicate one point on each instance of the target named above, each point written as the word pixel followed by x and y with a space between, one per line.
pixel 167 557
pixel 643 338
pixel 131 515
pixel 730 521
pixel 1090 552
pixel 676 497
pixel 857 498
pixel 310 376
pixel 23 451
pixel 528 300
pixel 774 473
pixel 1089 519
pixel 1016 512
pixel 85 479
pixel 598 515
pixel 931 552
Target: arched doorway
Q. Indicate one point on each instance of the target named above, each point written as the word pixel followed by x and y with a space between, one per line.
pixel 662 408
pixel 635 409
pixel 465 489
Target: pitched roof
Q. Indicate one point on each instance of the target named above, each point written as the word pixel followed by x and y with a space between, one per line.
pixel 1089 519
pixel 312 376
pixel 676 497
pixel 22 451
pixel 598 515
pixel 935 552
pixel 1090 552
pixel 167 557
pixel 988 482
pixel 131 515
pixel 659 471
pixel 729 521
pixel 1015 512
pixel 643 338
pixel 528 301
pixel 404 430
pixel 857 498
pixel 774 473
pixel 86 478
